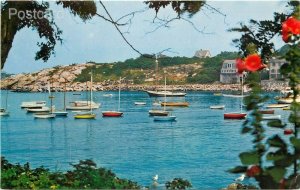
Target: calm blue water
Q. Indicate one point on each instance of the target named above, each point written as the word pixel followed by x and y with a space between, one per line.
pixel 199 147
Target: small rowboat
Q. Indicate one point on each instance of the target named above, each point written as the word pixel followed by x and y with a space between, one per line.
pixel 217 107
pixel 87 115
pixel 273 117
pixel 235 115
pixel 139 103
pixel 44 115
pixel 277 105
pixel 165 118
pixel 175 104
pixel 112 114
pixel 266 111
pixel 158 113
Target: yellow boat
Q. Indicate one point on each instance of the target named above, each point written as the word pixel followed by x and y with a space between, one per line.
pixel 286 108
pixel 85 116
pixel 175 104
pixel 217 94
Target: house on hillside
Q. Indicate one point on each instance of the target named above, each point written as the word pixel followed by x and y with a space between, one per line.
pixel 274 68
pixel 202 53
pixel 229 72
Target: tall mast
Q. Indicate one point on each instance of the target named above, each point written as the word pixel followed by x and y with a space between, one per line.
pixel 156 71
pixel 91 91
pixel 6 99
pixel 65 95
pixel 119 94
pixel 165 93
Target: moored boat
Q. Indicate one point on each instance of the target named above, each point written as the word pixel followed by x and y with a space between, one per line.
pixel 44 115
pixel 33 104
pixel 86 115
pixel 277 105
pixel 165 118
pixel 272 117
pixel 175 104
pixel 42 109
pixel 165 93
pixel 158 113
pixel 217 107
pixel 269 111
pixel 139 103
pixel 3 112
pixel 112 114
pixel 83 105
pixel 235 115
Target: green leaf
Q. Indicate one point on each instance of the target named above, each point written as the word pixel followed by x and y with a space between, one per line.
pixel 238 169
pixel 249 158
pixel 295 142
pixel 277 173
pixel 276 124
pixel 274 156
pixel 276 141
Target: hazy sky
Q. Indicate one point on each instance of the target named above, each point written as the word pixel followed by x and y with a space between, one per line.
pixel 97 40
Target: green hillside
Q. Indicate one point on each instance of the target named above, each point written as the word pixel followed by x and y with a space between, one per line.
pixel 179 70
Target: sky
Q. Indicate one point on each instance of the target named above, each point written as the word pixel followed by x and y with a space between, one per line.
pixel 98 40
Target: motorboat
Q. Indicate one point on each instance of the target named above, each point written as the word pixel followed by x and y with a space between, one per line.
pixel 272 117
pixel 217 107
pixel 44 115
pixel 165 93
pixel 33 104
pixel 3 112
pixel 139 103
pixel 277 105
pixel 158 113
pixel 165 118
pixel 42 109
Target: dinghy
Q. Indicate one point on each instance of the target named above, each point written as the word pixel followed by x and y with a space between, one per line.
pixel 139 103
pixel 217 107
pixel 277 105
pixel 272 117
pixel 266 111
pixel 235 115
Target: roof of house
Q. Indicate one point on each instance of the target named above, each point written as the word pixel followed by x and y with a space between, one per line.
pixel 202 53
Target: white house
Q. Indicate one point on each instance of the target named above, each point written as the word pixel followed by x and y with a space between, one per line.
pixel 274 68
pixel 202 53
pixel 229 72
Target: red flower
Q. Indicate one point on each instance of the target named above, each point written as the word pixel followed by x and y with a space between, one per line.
pixel 289 27
pixel 240 65
pixel 288 131
pixel 253 171
pixel 253 62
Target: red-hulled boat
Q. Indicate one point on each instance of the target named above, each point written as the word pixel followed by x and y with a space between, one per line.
pixel 235 115
pixel 112 114
pixel 266 111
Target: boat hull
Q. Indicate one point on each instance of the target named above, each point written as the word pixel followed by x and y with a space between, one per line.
pixel 44 116
pixel 274 117
pixel 158 113
pixel 165 93
pixel 139 103
pixel 235 115
pixel 112 114
pixel 175 104
pixel 60 113
pixel 266 111
pixel 38 109
pixel 217 107
pixel 277 105
pixel 164 118
pixel 85 116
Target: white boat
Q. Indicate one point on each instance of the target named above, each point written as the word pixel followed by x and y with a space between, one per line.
pixel 83 105
pixel 158 113
pixel 3 112
pixel 33 104
pixel 62 113
pixel 43 109
pixel 271 117
pixel 277 105
pixel 165 93
pixel 165 118
pixel 235 95
pixel 217 107
pixel 44 115
pixel 107 95
pixel 287 100
pixel 157 103
pixel 139 103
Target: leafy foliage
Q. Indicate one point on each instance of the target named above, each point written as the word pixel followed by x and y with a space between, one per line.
pixel 178 183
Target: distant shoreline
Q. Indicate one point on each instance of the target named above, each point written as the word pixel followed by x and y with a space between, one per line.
pixel 79 87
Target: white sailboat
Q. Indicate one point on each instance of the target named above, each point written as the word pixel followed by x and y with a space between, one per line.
pixel 46 114
pixel 164 117
pixel 90 114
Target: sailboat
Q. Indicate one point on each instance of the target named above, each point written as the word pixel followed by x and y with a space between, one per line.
pixel 114 113
pixel 164 117
pixel 90 114
pixel 45 114
pixel 62 112
pixel 237 115
pixel 156 93
pixel 3 111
